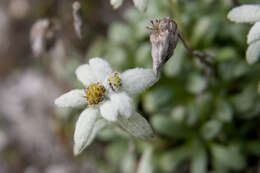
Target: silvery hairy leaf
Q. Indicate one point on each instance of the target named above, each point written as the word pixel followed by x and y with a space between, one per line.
pixel 136 125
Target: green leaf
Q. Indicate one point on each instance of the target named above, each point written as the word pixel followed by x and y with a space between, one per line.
pixel 137 126
pixel 258 87
pixel 245 100
pixel 166 126
pixel 211 129
pixel 128 163
pixel 151 101
pixel 224 111
pixel 253 147
pixel 193 115
pixel 200 29
pixel 226 53
pixel 196 83
pixel 175 64
pixel 172 159
pixel 117 57
pixel 228 157
pixel 179 113
pixel 143 56
pixel 119 33
pixel 116 151
pixel 199 161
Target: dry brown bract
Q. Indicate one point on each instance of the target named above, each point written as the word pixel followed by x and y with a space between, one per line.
pixel 164 38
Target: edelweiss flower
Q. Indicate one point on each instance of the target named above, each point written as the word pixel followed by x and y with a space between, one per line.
pixel 139 4
pixel 107 100
pixel 249 14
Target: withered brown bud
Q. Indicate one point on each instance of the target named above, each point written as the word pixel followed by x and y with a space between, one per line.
pixel 43 35
pixel 164 38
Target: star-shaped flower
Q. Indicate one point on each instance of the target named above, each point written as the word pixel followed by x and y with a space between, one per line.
pixel 107 98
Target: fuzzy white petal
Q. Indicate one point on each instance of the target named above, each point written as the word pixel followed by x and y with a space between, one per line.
pixel 253 52
pixel 99 125
pixel 85 74
pixel 123 103
pixel 100 67
pixel 73 98
pixel 119 104
pixel 254 33
pixel 116 3
pixel 84 128
pixel 109 111
pixel 245 13
pixel 136 80
pixel 140 4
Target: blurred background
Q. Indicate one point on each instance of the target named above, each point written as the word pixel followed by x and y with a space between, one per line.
pixel 204 123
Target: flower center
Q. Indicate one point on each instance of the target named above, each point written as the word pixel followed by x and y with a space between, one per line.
pixel 114 81
pixel 95 93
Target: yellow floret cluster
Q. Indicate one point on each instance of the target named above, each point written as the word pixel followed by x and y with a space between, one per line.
pixel 114 81
pixel 95 93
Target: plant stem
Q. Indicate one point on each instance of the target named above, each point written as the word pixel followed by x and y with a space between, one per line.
pixel 203 57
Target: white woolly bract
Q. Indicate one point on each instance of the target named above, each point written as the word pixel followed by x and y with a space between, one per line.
pixel 109 111
pixel 140 4
pixel 99 125
pixel 119 104
pixel 84 128
pixel 136 80
pixel 254 33
pixel 73 98
pixel 100 68
pixel 116 3
pixel 123 104
pixel 245 13
pixel 85 74
pixel 253 52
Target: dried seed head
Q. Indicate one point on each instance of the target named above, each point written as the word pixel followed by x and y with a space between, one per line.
pixel 164 38
pixel 43 35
